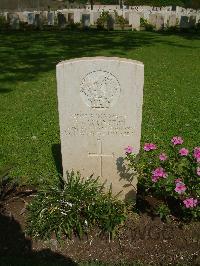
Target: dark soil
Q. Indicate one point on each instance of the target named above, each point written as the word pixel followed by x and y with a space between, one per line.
pixel 144 238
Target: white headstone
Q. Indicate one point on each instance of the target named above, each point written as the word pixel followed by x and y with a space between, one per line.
pixel 77 16
pixel 22 16
pixel 100 113
pixel 126 15
pixel 172 21
pixel 94 16
pixel 153 19
pixel 159 22
pixel 134 20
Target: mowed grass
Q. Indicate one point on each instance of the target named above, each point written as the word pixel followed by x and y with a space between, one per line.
pixel 29 128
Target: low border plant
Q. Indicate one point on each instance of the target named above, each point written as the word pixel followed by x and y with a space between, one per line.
pixel 74 209
pixel 174 176
pixel 119 19
pixel 147 26
pixel 103 20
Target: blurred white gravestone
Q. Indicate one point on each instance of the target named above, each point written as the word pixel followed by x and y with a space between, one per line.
pixel 100 113
pixel 134 20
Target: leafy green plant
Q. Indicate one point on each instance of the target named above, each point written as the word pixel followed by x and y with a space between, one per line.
pixel 163 211
pixel 80 204
pixel 74 26
pixel 144 23
pixel 2 19
pixel 3 22
pixel 103 20
pixel 175 175
pixel 120 20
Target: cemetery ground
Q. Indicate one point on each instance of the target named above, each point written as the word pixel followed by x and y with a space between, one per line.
pixel 30 141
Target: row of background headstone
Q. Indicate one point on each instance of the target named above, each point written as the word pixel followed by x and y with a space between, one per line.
pixel 159 20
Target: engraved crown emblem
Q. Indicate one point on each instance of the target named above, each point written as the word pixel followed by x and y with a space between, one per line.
pixel 100 89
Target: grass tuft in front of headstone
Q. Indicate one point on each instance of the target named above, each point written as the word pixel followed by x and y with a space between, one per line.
pixel 74 209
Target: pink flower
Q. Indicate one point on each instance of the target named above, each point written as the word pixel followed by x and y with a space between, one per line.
pixel 158 173
pixel 183 152
pixel 149 146
pixel 197 154
pixel 190 202
pixel 180 187
pixel 177 140
pixel 128 150
pixel 155 178
pixel 163 157
pixel 198 171
pixel 178 180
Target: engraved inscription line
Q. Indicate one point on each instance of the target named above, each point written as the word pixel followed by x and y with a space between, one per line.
pixel 100 155
pixel 98 124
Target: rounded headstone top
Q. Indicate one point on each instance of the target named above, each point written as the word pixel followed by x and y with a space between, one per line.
pixel 101 58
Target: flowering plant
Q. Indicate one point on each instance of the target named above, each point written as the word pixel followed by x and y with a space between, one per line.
pixel 175 175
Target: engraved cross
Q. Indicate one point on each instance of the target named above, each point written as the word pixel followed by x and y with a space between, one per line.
pixel 100 155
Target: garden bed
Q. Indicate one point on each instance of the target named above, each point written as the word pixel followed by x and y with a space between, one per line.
pixel 144 239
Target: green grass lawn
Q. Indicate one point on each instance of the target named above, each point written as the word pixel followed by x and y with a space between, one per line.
pixel 29 129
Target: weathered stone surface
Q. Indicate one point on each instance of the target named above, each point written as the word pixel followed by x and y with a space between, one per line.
pixel 172 20
pixel 159 22
pixel 77 16
pixel 93 17
pixel 100 112
pixel 134 20
pixel 153 19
